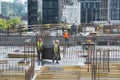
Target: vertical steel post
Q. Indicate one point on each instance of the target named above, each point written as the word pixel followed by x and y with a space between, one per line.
pixel 108 60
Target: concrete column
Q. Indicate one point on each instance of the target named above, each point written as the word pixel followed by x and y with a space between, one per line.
pixel 108 15
pixel 59 11
pixel 80 11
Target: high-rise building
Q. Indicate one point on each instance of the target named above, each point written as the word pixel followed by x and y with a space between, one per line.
pixel 32 12
pixel 51 11
pixel 114 9
pixel 40 11
pixel 90 10
pixel 104 10
pixel 72 11
pixel 25 7
pixel 99 10
pixel 44 11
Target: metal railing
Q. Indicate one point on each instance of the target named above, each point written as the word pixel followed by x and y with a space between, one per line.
pixel 27 71
pixel 21 48
pixel 11 68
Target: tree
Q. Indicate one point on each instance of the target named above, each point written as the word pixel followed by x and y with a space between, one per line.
pixel 3 24
pixel 9 24
pixel 14 21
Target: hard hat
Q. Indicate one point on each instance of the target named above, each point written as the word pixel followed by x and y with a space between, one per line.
pixel 88 41
pixel 40 39
pixel 65 31
pixel 57 41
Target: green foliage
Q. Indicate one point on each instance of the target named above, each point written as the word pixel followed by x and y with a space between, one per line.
pixel 12 10
pixel 14 21
pixel 3 24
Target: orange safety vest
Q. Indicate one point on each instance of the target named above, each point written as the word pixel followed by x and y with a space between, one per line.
pixel 66 35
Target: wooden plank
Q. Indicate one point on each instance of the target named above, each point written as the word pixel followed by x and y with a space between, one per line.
pixel 18 55
pixel 12 77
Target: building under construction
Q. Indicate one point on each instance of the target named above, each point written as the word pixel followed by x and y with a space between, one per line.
pixel 87 57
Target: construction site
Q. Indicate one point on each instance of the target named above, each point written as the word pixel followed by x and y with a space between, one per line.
pixel 95 56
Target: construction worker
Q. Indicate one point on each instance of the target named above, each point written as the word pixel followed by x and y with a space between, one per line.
pixel 73 29
pixel 56 51
pixel 39 48
pixel 69 27
pixel 66 37
pixel 63 26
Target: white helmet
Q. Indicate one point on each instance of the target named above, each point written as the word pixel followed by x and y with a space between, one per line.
pixel 57 41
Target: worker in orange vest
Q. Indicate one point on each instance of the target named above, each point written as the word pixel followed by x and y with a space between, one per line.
pixel 66 37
